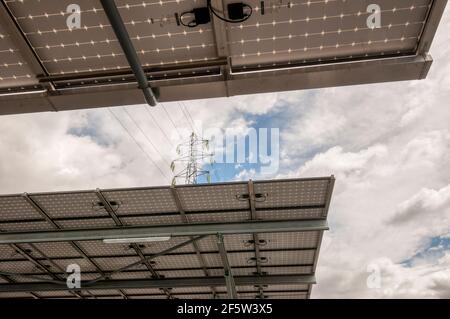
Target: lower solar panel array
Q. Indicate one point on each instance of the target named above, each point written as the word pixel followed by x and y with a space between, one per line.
pixel 274 253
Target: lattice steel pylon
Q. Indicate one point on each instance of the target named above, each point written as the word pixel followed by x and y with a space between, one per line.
pixel 193 154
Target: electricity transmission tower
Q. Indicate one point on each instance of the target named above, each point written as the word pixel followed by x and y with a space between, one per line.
pixel 193 154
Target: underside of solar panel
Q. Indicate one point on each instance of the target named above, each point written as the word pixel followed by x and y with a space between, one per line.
pixel 62 55
pixel 255 239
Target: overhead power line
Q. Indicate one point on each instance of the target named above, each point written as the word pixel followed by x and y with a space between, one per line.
pixel 139 145
pixel 146 136
pixel 189 114
pixel 146 107
pixel 186 117
pixel 171 120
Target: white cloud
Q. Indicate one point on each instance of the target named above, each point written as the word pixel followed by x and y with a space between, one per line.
pixel 40 153
pixel 342 163
pixel 388 146
pixel 245 174
pixel 425 205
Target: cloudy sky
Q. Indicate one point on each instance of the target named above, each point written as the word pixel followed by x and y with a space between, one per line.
pixel 388 146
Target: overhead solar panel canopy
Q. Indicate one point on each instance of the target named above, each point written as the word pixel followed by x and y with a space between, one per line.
pixel 47 64
pixel 233 240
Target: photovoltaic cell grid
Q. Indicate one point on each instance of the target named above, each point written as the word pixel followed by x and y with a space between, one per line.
pixel 293 31
pixel 280 33
pixel 151 26
pixel 281 253
pixel 13 69
pixel 306 31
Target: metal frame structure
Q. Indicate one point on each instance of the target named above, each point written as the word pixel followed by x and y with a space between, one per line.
pixel 130 52
pixel 203 79
pixel 176 230
pixel 229 279
pixel 166 283
pixel 245 247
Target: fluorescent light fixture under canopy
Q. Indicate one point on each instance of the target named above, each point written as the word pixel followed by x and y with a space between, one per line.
pixel 135 240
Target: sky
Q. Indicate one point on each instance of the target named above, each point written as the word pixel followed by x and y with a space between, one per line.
pixel 388 145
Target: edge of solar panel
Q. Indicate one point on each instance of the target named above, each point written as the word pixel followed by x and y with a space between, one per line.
pixel 281 180
pixel 295 254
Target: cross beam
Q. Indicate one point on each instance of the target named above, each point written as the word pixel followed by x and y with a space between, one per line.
pixel 176 230
pixel 229 279
pixel 164 283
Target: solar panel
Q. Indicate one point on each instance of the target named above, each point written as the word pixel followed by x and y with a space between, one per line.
pixel 293 45
pixel 77 50
pixel 270 257
pixel 14 71
pixel 327 30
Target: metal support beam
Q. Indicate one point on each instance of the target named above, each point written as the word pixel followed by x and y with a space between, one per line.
pixel 221 40
pixel 55 225
pixel 9 280
pixel 229 279
pixel 166 283
pixel 434 17
pixel 168 214
pixel 330 189
pixel 41 266
pixel 130 52
pixel 283 79
pixel 251 200
pixel 136 248
pixel 150 70
pixel 108 207
pixel 165 230
pixel 142 272
pixel 184 253
pixel 161 253
pixel 24 46
pixel 20 41
pixel 194 243
pixel 44 214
